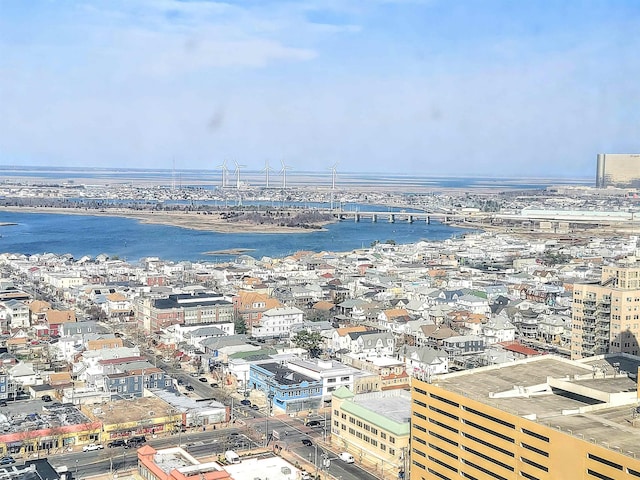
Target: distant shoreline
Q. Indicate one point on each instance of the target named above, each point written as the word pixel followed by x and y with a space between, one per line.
pixel 189 220
pixel 230 251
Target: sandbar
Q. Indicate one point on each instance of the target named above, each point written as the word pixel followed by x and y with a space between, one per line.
pixel 191 220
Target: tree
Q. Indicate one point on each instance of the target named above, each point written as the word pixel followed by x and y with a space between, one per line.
pixel 310 341
pixel 96 313
pixel 239 325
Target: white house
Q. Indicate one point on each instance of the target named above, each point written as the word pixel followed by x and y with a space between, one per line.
pixel 499 329
pixel 17 313
pixel 372 344
pixel 473 304
pixel 277 322
pixel 425 361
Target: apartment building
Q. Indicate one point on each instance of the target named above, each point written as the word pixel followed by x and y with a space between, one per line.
pixel 538 419
pixel 184 308
pixel 606 315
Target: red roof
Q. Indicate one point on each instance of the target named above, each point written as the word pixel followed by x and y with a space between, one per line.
pixel 521 349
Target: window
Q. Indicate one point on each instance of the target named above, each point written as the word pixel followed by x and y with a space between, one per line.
pixel 535 464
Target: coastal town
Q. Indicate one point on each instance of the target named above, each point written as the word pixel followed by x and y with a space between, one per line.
pixel 319 359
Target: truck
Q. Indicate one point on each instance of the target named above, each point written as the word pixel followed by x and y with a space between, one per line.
pixel 231 456
pixel 346 457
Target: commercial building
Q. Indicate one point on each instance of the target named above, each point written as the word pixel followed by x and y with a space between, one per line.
pixel 373 427
pixel 618 170
pixel 176 464
pixel 185 309
pixel 541 418
pixel 138 416
pixel 38 427
pixel 286 389
pixel 606 315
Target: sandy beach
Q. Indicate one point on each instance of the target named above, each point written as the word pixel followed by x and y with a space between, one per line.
pixel 191 220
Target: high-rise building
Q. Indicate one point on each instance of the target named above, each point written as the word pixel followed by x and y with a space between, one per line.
pixel 537 419
pixel 606 315
pixel 618 170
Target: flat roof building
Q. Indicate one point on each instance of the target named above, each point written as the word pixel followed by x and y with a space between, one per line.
pixel 539 418
pixel 373 427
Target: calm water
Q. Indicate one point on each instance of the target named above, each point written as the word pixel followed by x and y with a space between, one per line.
pixel 127 238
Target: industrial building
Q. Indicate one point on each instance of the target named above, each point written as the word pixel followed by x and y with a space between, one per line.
pixel 541 418
pixel 606 315
pixel 618 170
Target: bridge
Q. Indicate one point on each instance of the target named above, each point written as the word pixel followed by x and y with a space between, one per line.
pixel 396 216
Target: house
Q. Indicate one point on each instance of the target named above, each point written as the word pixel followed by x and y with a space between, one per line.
pixel 499 329
pixel 340 339
pixel 38 310
pixel 372 343
pixel 17 314
pixel 56 318
pixel 277 322
pixel 463 345
pixel 425 361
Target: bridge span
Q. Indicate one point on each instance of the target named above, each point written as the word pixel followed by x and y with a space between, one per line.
pixel 392 217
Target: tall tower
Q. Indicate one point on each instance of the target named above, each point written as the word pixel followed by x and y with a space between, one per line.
pixel 606 315
pixel 600 183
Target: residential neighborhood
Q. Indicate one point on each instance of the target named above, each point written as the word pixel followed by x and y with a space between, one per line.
pixel 82 337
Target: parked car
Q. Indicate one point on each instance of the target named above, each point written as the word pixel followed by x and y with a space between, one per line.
pixel 8 460
pixel 117 443
pixel 92 446
pixel 3 404
pixel 313 423
pixel 306 442
pixel 203 380
pixel 245 402
pixel 135 442
pixel 189 388
pixel 46 398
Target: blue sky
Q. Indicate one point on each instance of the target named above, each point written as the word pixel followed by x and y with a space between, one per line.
pixel 432 87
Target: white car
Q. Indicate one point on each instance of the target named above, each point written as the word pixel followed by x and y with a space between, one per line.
pixel 91 447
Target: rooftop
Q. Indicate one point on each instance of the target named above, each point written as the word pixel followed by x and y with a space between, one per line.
pixel 598 404
pixel 272 468
pixel 124 411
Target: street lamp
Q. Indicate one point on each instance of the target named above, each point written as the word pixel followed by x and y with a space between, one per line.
pixel 266 422
pixel 76 468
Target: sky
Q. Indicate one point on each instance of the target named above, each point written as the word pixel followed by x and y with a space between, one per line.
pixel 522 88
